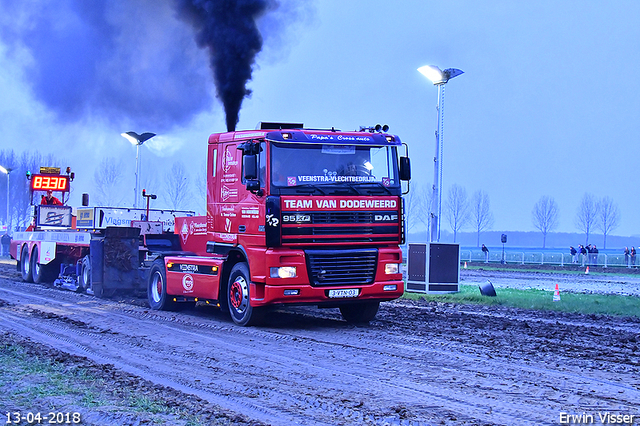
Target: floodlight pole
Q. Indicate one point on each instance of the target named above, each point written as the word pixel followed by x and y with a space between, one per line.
pixel 137 140
pixel 7 171
pixel 439 78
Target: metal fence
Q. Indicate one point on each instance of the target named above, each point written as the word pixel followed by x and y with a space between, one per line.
pixel 549 258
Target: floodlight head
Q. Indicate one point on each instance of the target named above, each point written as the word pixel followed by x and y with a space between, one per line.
pixel 137 139
pixel 437 76
pixel 3 170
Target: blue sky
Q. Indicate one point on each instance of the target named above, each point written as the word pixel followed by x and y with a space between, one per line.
pixel 548 104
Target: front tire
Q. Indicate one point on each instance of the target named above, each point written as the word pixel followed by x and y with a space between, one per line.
pixel 359 313
pixel 238 297
pixel 157 295
pixel 25 265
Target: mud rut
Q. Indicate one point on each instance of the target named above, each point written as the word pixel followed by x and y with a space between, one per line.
pixel 416 364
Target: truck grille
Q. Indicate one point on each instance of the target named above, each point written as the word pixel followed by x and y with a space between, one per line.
pixel 341 267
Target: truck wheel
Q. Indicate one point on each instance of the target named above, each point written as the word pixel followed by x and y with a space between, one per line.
pixel 359 313
pixel 25 265
pixel 238 298
pixel 85 274
pixel 41 273
pixel 159 300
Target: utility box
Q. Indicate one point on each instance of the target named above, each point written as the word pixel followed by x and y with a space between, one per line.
pixel 433 268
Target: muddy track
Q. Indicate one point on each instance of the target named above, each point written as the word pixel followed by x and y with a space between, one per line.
pixel 418 363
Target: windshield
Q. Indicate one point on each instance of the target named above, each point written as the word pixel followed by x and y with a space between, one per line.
pixel 295 165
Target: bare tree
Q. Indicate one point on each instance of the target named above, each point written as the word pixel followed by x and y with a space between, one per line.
pixel 545 215
pixel 177 186
pixel 608 217
pixel 457 208
pixel 417 204
pixel 481 215
pixel 106 180
pixel 587 215
pixel 201 188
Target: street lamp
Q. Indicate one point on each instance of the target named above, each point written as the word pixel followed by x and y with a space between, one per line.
pixel 7 171
pixel 438 78
pixel 137 140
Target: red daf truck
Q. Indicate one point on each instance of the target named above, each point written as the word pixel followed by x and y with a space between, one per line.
pixel 294 216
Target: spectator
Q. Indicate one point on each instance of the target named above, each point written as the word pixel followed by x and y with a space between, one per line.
pixel 574 254
pixel 626 256
pixel 594 255
pixel 50 200
pixel 6 243
pixel 633 256
pixel 485 250
pixel 583 253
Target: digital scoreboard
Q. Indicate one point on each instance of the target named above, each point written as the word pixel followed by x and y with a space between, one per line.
pixel 50 182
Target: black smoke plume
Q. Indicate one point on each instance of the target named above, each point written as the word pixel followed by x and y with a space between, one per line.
pixel 129 62
pixel 228 30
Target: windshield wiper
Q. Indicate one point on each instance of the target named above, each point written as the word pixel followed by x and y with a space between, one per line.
pixel 378 185
pixel 346 186
pixel 309 189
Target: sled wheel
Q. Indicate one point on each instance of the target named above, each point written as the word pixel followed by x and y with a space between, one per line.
pixel 359 313
pixel 159 300
pixel 25 265
pixel 238 297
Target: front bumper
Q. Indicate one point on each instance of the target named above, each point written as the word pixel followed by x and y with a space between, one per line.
pixel 262 294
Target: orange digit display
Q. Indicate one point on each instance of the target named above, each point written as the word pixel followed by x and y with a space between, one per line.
pixel 49 182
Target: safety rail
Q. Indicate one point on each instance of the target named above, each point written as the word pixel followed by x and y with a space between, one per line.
pixel 549 258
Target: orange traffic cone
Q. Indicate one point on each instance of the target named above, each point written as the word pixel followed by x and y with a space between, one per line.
pixel 465 265
pixel 587 271
pixel 556 294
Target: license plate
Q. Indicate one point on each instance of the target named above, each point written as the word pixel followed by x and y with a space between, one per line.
pixel 347 292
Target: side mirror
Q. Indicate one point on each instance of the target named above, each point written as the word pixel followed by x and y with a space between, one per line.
pixel 250 166
pixel 405 168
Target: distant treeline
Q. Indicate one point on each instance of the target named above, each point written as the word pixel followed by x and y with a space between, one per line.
pixel 533 239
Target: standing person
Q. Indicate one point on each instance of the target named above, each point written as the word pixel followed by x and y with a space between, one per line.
pixel 574 254
pixel 485 250
pixel 633 256
pixel 626 256
pixel 594 260
pixel 583 253
pixel 50 200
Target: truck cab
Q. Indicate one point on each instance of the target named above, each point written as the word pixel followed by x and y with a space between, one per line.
pixel 306 216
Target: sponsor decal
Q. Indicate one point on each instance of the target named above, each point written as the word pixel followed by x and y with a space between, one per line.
pixel 329 177
pixel 184 232
pixel 272 220
pixel 227 237
pixel 227 192
pixel 340 138
pixel 187 283
pixel 228 160
pixel 227 225
pixel 291 181
pixel 332 203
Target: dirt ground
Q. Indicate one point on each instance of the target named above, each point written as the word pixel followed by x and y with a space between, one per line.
pixel 418 363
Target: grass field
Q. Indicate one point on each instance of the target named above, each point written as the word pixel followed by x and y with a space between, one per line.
pixel 542 300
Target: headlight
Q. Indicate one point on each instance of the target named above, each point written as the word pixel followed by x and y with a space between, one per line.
pixel 283 272
pixel 391 268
